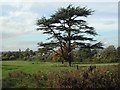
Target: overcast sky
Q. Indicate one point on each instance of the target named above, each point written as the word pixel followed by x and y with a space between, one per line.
pixel 18 19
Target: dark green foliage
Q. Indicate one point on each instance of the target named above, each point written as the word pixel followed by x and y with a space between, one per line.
pixel 81 55
pixel 10 55
pixel 118 53
pixel 107 55
pixel 68 30
pixel 16 55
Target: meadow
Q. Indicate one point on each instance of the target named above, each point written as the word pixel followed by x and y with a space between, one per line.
pixel 27 74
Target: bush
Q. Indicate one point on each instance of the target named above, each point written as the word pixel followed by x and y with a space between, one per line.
pixel 99 77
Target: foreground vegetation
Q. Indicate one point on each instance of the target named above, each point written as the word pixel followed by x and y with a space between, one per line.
pixel 26 74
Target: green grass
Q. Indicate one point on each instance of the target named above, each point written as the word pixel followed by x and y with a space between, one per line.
pixel 29 67
pixel 26 74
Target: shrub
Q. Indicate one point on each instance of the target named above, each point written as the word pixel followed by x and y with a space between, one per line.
pixel 99 77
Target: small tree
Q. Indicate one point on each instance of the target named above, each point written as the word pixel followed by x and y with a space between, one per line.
pixel 118 53
pixel 68 29
pixel 44 51
pixel 26 53
pixel 109 54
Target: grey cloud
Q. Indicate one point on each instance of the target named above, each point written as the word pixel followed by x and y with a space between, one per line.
pixel 110 22
pixel 8 35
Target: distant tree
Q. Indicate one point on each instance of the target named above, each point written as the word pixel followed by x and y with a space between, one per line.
pixel 118 53
pixel 16 55
pixel 9 54
pixel 41 51
pixel 4 56
pixel 31 53
pixel 26 53
pixel 68 29
pixel 118 49
pixel 44 51
pixel 19 50
pixel 108 55
pixel 20 54
pixel 84 53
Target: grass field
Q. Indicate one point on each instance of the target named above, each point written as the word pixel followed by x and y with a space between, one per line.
pixel 27 74
pixel 29 67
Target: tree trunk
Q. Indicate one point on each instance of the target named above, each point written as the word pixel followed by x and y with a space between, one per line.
pixel 77 67
pixel 69 63
pixel 70 59
pixel 69 45
pixel 62 62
